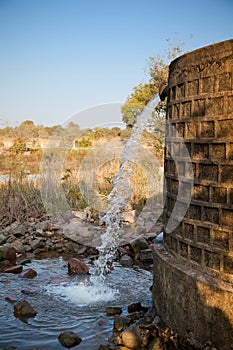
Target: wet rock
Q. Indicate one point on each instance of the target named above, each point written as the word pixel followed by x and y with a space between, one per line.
pixel 11 299
pixel 14 269
pixel 113 310
pixel 146 256
pixel 139 244
pixel 134 307
pixel 126 260
pixel 69 339
pixel 24 310
pixel 29 292
pixel 28 273
pixel 9 253
pixel 76 266
pixel 120 323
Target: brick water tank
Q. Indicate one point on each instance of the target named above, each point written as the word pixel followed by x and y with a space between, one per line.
pixel 193 269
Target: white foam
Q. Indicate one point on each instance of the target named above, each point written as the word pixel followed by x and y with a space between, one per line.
pixel 83 295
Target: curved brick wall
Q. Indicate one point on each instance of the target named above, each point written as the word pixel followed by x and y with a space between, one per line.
pixel 200 115
pixel 193 269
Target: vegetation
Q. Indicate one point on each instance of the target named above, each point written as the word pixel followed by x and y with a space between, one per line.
pixel 142 93
pixel 20 197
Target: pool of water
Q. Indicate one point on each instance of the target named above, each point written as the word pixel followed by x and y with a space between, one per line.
pixel 67 303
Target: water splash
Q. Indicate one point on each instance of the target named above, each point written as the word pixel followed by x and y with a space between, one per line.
pixel 120 195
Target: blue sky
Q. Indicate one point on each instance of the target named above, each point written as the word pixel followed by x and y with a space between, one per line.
pixel 59 57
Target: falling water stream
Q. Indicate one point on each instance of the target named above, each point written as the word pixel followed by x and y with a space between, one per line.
pixel 120 195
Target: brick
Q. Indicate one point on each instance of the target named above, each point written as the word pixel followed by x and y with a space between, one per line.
pixel 203 234
pixel 195 254
pixel 176 111
pixel 186 110
pixel 201 193
pixel 191 130
pixel 180 127
pixel 174 244
pixel 207 85
pixel 218 151
pixel 183 250
pixel 230 104
pixel 180 168
pixel 185 149
pixel 173 93
pixel 169 111
pixel 227 217
pixel 193 87
pixel 227 174
pixel 225 82
pixel 212 260
pixel 210 215
pixel 188 231
pixel 225 129
pixel 207 129
pixel 175 149
pixel 214 106
pixel 219 195
pixel 174 186
pixel 180 91
pixel 228 264
pixel 230 195
pixel 199 108
pixel 230 151
pixel 208 172
pixel 219 239
pixel 194 212
pixel 200 151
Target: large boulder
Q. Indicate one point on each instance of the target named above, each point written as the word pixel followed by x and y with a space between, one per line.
pixel 77 267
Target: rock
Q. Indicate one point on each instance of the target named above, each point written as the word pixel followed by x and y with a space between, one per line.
pixel 156 344
pixel 126 260
pixel 37 243
pixel 120 323
pixel 76 266
pixel 69 339
pixel 18 245
pixel 80 214
pixel 3 238
pixel 146 256
pixel 29 292
pixel 11 299
pixel 129 216
pixel 139 244
pixel 28 273
pixel 134 307
pixel 14 269
pixel 9 253
pixel 135 337
pixel 24 310
pixel 113 310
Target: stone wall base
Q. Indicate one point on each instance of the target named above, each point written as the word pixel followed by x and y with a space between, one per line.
pixel 192 303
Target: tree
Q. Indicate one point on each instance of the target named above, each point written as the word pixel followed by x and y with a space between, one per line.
pixel 143 93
